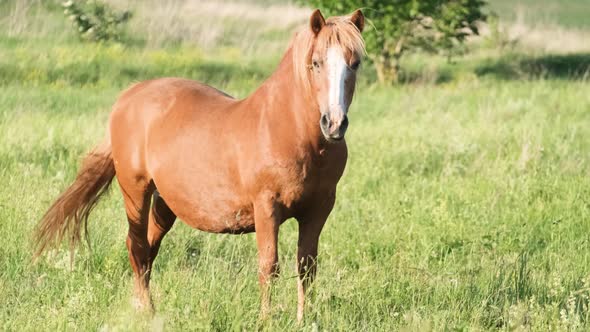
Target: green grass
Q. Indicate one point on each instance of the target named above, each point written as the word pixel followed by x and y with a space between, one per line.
pixel 116 66
pixel 566 13
pixel 464 205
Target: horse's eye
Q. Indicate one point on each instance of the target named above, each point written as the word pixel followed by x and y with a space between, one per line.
pixel 355 65
pixel 316 64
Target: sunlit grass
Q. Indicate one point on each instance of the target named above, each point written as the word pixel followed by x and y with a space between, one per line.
pixel 571 14
pixel 462 206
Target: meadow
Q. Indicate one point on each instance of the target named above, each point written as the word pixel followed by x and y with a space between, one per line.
pixel 465 205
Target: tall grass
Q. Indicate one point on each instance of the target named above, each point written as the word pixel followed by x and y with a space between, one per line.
pixel 207 25
pixel 569 14
pixel 462 207
pixel 210 24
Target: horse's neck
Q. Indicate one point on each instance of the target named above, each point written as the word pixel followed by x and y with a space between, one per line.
pixel 282 100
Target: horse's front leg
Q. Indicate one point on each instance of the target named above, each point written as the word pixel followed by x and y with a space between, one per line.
pixel 310 227
pixel 267 222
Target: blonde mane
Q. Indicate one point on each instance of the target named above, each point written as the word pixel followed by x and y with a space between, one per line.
pixel 338 30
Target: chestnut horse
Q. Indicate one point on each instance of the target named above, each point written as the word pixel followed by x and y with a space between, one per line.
pixel 183 149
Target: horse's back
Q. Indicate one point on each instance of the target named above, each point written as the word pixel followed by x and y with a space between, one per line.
pixel 163 92
pixel 146 109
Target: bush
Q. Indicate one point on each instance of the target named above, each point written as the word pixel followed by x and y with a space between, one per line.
pixel 95 20
pixel 400 26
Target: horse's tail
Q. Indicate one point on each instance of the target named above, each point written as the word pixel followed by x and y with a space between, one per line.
pixel 69 213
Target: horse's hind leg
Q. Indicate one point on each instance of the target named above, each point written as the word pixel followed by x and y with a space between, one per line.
pixel 137 196
pixel 161 220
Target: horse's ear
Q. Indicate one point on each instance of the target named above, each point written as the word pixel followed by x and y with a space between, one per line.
pixel 316 21
pixel 358 19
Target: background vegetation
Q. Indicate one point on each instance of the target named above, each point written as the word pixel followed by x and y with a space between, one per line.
pixel 464 205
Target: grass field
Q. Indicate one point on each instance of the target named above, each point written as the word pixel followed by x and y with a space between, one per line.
pixel 565 13
pixel 465 204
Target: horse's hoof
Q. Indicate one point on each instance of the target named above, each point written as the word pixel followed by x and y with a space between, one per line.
pixel 142 305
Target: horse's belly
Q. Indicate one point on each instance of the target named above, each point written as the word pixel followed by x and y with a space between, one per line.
pixel 214 211
pixel 233 221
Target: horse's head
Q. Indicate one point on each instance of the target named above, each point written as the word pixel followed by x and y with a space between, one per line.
pixel 331 52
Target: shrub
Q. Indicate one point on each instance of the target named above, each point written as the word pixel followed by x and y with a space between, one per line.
pixel 95 20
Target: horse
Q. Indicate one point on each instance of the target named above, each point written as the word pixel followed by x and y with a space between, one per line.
pixel 182 149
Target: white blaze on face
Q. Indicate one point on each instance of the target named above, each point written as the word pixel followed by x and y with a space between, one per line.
pixel 337 72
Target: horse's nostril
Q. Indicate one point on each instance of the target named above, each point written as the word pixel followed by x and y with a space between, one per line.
pixel 333 131
pixel 325 121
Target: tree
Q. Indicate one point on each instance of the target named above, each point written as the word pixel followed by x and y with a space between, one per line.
pixel 400 26
pixel 96 21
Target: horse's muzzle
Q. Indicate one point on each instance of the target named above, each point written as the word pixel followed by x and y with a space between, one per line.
pixel 333 130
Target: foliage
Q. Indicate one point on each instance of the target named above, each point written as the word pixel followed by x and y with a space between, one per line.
pixel 404 25
pixel 498 37
pixel 95 20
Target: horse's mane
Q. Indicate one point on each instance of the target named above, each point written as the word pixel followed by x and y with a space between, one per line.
pixel 339 31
